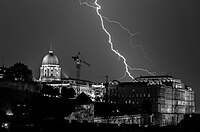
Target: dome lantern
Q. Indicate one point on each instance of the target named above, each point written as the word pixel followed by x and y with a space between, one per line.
pixel 50 59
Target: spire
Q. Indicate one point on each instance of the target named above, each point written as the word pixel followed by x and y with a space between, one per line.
pixel 50 48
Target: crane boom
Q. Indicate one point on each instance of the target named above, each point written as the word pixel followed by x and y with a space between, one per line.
pixel 79 59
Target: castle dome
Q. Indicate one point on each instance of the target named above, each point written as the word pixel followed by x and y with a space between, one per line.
pixel 50 59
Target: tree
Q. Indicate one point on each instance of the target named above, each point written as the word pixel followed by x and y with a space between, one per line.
pixel 18 72
pixel 67 93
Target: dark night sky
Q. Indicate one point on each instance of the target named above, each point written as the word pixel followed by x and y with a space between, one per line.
pixel 169 31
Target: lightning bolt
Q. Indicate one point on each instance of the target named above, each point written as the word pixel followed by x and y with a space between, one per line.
pixel 97 7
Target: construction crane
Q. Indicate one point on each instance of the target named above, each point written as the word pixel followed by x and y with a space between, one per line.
pixel 79 60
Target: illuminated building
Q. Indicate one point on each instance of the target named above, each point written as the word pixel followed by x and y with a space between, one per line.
pixel 161 100
pixel 50 69
pixel 93 90
pixel 50 74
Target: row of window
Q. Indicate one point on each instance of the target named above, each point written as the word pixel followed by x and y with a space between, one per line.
pixel 47 73
pixel 132 95
pixel 124 101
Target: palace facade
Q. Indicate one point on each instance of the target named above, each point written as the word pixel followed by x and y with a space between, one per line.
pixel 163 99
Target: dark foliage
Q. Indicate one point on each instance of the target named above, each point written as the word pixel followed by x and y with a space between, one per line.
pixel 18 72
pixel 190 123
pixel 49 90
pixel 67 93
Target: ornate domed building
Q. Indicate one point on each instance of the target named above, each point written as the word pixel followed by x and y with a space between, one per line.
pixel 50 69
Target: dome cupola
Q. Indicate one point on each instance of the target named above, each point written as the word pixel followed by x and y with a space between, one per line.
pixel 50 59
